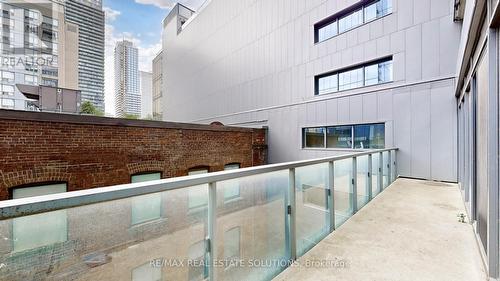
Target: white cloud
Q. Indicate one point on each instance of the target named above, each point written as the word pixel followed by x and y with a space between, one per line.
pixel 163 4
pixel 111 14
pixel 146 55
pixel 169 4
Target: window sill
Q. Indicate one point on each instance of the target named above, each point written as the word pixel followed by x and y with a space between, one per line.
pixel 197 210
pixel 233 200
pixel 149 222
pixel 345 92
pixel 340 149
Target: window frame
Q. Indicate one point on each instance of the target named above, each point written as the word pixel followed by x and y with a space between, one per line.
pixel 161 215
pixel 34 185
pixel 335 18
pixel 361 67
pixel 200 206
pixel 353 136
pixel 235 182
pixel 233 257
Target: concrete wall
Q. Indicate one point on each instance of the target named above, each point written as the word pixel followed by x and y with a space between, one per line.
pixel 236 60
pixel 146 81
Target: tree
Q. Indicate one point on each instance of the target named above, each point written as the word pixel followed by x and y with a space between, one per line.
pixel 131 116
pixel 89 108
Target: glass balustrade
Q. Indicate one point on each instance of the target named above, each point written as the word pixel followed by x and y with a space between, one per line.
pixel 245 224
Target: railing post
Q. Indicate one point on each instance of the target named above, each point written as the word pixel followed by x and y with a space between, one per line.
pixel 389 168
pixel 331 199
pixel 395 164
pixel 291 214
pixel 354 182
pixel 380 172
pixel 369 178
pixel 212 223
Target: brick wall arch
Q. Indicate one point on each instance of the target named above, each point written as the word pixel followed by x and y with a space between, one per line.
pixel 146 166
pixel 32 176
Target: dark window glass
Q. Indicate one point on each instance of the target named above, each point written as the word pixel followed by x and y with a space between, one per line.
pixel 339 137
pixel 369 136
pixel 314 137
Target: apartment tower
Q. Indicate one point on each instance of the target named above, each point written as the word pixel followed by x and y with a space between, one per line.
pixel 127 93
pixel 89 17
pixel 38 47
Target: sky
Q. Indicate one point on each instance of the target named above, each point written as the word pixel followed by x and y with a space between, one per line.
pixel 138 21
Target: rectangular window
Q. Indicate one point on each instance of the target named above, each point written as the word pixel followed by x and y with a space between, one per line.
pixel 7 103
pixel 146 207
pixel 39 230
pixel 314 137
pixel 364 136
pixel 197 198
pixel 339 137
pixel 7 76
pixel 351 18
pixel 147 272
pixel 231 187
pixel 361 76
pixel 7 90
pixel 350 21
pixel 197 269
pixel 232 244
pixel 30 79
pixel 369 136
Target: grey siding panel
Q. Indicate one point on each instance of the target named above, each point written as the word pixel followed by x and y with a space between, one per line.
pixel 258 54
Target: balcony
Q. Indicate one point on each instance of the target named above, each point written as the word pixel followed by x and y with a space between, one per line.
pixel 409 232
pixel 247 224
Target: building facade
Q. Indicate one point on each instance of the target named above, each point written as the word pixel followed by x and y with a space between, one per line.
pixel 38 47
pixel 325 76
pixel 157 86
pixel 330 76
pixel 146 81
pixel 89 17
pixel 127 93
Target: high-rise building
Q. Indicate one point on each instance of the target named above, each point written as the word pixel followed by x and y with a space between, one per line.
pixel 146 81
pixel 157 86
pixel 127 95
pixel 89 17
pixel 38 47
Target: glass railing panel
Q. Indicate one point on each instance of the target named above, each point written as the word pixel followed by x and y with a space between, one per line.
pixel 156 236
pixel 312 212
pixel 385 169
pixel 393 167
pixel 343 195
pixel 362 181
pixel 375 174
pixel 251 227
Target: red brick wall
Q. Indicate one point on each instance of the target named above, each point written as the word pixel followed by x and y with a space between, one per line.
pixel 88 152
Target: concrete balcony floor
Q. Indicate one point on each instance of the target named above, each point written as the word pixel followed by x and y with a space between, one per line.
pixel 408 232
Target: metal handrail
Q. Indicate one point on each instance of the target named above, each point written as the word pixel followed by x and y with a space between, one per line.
pixel 39 204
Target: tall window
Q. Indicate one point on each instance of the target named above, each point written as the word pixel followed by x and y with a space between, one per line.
pixel 350 18
pixel 364 75
pixel 197 269
pixel 146 207
pixel 369 136
pixel 39 230
pixel 231 187
pixel 232 244
pixel 197 196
